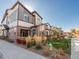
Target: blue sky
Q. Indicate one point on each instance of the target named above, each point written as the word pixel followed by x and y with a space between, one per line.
pixel 60 13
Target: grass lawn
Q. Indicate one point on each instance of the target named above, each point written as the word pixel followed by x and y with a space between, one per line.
pixel 65 44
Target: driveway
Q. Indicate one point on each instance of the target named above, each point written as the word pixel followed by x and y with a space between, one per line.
pixel 10 51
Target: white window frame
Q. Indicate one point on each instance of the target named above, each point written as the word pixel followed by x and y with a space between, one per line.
pixel 25 15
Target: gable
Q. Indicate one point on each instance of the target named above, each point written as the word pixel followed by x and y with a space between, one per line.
pixel 24 11
pixel 4 16
pixel 20 4
pixel 14 7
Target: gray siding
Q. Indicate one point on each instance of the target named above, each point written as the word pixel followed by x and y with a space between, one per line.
pixel 12 33
pixel 22 11
pixel 12 19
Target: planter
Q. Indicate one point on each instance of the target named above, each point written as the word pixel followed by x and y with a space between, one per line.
pixel 18 41
pixel 23 42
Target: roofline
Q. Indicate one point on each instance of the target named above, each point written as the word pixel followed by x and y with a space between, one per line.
pixel 40 25
pixel 22 6
pixel 7 10
pixel 4 15
pixel 46 24
pixel 37 14
pixel 14 7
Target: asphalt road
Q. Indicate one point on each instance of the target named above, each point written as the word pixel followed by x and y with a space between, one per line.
pixel 10 51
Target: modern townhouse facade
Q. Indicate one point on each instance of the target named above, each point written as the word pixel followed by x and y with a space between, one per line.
pixel 23 23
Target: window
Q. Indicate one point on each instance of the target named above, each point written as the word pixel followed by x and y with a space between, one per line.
pixel 39 21
pixel 45 33
pixel 33 32
pixel 23 33
pixel 26 18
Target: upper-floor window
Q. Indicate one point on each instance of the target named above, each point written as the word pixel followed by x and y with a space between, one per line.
pixel 26 18
pixel 38 21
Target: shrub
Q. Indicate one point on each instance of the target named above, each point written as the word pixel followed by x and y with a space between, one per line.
pixel 57 56
pixel 29 45
pixel 33 42
pixel 37 39
pixel 28 40
pixel 44 39
pixel 38 47
pixel 65 44
pixel 46 53
pixel 61 52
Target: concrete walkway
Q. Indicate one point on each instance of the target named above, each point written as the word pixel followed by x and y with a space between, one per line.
pixel 10 51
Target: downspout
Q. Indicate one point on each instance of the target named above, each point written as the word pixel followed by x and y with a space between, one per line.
pixel 7 25
pixel 17 22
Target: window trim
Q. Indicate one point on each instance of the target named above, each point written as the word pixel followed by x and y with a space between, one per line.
pixel 23 33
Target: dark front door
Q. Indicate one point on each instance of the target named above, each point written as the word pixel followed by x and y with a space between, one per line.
pixel 34 32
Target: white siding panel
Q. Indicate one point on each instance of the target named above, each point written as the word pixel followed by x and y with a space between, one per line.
pixel 41 28
pixel 22 12
pixel 13 24
pixel 25 24
pixel 38 20
pixel 4 22
pixel 12 11
pixel 12 34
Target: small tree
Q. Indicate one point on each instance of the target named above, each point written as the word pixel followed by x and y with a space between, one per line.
pixel 57 33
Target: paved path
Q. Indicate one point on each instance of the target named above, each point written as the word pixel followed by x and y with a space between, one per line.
pixel 10 51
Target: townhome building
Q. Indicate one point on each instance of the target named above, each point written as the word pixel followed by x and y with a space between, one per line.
pixel 22 23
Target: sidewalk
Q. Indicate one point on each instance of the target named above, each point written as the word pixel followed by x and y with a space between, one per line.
pixel 11 51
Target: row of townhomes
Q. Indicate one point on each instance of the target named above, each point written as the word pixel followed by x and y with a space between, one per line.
pixel 19 22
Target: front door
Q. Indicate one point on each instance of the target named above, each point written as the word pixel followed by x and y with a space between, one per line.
pixel 34 32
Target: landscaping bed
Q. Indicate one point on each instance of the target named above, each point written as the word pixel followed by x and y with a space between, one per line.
pixel 40 45
pixel 64 44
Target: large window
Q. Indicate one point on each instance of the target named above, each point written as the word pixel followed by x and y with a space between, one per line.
pixel 26 18
pixel 23 33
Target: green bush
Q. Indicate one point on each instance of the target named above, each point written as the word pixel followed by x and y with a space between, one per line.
pixel 29 45
pixel 65 44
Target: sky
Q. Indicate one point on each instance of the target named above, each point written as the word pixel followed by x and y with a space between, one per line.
pixel 60 13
